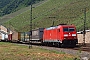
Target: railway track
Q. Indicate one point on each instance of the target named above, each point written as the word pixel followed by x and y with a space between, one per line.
pixel 87 49
pixel 82 48
pixel 78 47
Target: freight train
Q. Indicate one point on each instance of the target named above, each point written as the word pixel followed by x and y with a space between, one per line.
pixel 61 35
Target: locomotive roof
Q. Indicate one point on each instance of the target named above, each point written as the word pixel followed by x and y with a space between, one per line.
pixel 58 27
pixel 51 28
pixel 66 25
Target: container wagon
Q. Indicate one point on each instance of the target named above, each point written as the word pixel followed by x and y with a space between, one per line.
pixel 14 37
pixel 61 35
pixel 37 35
pixel 24 36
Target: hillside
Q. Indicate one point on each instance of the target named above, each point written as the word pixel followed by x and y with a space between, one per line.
pixel 12 15
pixel 10 6
pixel 59 11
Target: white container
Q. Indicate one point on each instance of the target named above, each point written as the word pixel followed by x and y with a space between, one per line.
pixel 3 36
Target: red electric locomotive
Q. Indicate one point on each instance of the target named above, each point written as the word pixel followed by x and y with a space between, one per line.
pixel 62 35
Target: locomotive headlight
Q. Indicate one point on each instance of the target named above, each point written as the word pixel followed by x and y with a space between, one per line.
pixel 65 35
pixel 73 34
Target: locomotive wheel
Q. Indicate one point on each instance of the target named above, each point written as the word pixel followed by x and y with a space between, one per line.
pixel 59 44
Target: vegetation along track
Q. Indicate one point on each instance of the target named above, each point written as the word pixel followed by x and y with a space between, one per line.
pixel 77 51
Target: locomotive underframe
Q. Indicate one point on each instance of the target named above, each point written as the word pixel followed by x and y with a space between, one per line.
pixel 61 43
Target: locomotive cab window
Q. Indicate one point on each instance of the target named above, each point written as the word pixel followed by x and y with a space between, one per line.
pixel 68 29
pixel 65 29
pixel 71 29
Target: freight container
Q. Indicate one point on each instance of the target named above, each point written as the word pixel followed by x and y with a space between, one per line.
pixel 6 37
pixel 9 37
pixel 3 36
pixel 19 36
pixel 37 35
pixel 14 37
pixel 22 37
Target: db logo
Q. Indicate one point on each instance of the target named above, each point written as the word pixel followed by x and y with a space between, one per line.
pixel 69 34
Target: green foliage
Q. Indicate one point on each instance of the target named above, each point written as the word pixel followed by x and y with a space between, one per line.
pixel 63 11
pixel 10 6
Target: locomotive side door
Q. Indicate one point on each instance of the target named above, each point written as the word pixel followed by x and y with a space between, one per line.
pixel 58 34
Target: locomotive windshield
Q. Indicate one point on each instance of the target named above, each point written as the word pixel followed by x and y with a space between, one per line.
pixel 68 29
pixel 71 29
pixel 65 29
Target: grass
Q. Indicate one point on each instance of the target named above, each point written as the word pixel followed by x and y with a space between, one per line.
pixel 10 51
pixel 67 12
